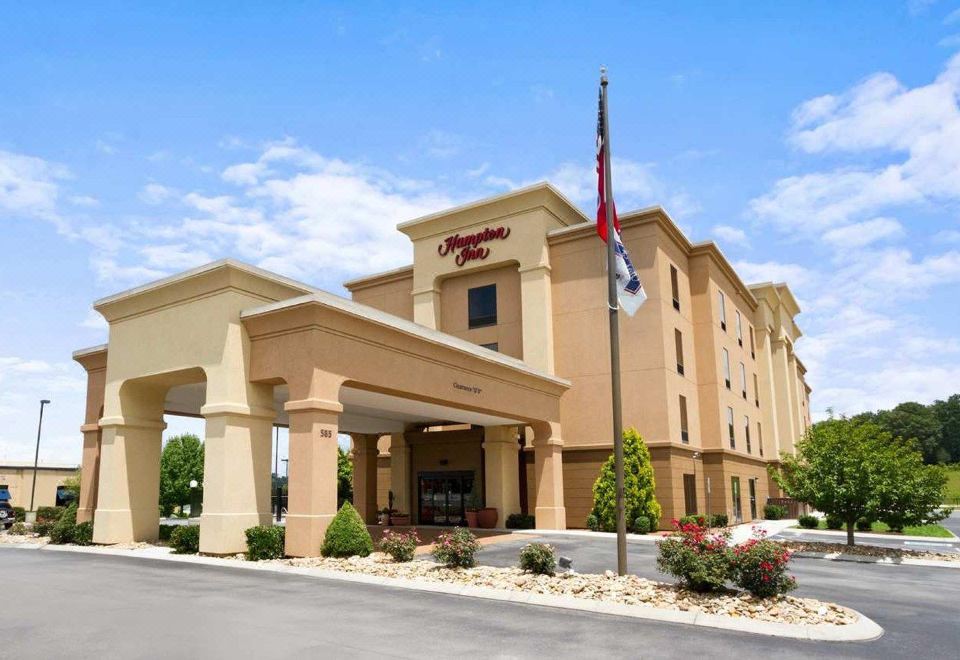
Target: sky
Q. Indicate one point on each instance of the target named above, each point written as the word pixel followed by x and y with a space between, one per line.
pixel 817 142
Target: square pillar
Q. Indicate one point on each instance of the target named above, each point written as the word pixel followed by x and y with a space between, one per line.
pixel 501 470
pixel 400 473
pixel 548 465
pixel 365 476
pixel 536 299
pixel 312 486
pixel 236 476
pixel 89 472
pixel 128 496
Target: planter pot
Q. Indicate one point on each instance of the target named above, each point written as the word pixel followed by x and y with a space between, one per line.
pixel 400 519
pixel 487 518
pixel 383 518
pixel 472 518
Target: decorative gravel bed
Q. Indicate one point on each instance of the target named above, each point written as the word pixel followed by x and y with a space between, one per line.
pixel 23 538
pixel 869 551
pixel 630 589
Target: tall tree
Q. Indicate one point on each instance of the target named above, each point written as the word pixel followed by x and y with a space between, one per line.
pixel 638 486
pixel 948 414
pixel 180 463
pixel 915 421
pixel 344 476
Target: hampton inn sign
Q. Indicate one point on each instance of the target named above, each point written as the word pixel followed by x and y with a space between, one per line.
pixel 469 245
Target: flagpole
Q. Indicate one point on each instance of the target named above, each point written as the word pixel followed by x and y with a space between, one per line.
pixel 614 335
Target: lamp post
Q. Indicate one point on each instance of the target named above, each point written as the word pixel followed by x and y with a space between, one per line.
pixel 36 455
pixel 696 457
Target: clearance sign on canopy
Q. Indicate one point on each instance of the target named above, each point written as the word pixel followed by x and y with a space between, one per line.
pixel 470 247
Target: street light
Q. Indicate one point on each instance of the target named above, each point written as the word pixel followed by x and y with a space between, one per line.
pixel 36 456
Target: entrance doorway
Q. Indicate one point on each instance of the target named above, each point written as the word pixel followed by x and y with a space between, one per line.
pixel 690 494
pixel 443 497
pixel 753 499
pixel 737 506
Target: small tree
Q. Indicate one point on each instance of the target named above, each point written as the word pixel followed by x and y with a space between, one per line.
pixel 344 476
pixel 638 483
pixel 180 463
pixel 909 492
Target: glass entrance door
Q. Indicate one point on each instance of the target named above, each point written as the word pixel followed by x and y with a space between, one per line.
pixel 753 499
pixel 737 506
pixel 443 497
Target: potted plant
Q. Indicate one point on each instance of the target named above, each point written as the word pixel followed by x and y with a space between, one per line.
pixel 472 510
pixel 399 519
pixel 487 517
pixel 383 516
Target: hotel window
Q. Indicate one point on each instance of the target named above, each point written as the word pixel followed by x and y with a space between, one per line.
pixel 756 390
pixel 730 430
pixel 739 330
pixel 753 350
pixel 675 288
pixel 495 346
pixel 726 367
pixel 678 340
pixel 723 312
pixel 743 381
pixel 760 437
pixel 482 306
pixel 746 431
pixel 684 434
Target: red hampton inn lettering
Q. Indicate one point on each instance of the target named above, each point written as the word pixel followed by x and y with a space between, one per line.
pixel 469 246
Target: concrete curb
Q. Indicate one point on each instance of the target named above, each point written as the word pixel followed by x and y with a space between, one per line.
pixel 584 533
pixel 864 629
pixel 886 561
pixel 943 540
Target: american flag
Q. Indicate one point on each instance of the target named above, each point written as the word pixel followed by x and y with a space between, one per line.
pixel 630 291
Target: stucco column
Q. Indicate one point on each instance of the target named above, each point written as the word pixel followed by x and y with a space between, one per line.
pixel 128 497
pixel 365 475
pixel 548 464
pixel 400 472
pixel 313 474
pixel 783 404
pixel 236 475
pixel 537 303
pixel 501 470
pixel 426 307
pixel 89 472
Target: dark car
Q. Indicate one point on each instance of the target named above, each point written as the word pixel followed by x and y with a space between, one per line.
pixel 7 515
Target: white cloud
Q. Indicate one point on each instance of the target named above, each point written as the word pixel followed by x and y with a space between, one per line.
pixel 105 147
pixel 94 321
pixel 29 186
pixel 84 200
pixel 772 271
pixel 731 235
pixel 864 233
pixel 154 193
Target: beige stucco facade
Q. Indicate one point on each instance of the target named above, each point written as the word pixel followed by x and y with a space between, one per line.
pixel 17 478
pixel 444 404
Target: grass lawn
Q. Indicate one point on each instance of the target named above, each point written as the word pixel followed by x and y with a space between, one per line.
pixel 953 485
pixel 937 531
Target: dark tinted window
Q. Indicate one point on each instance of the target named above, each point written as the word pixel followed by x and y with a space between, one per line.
pixel 482 306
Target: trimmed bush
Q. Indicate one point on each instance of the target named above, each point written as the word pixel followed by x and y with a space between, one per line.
pixel 641 525
pixel 760 567
pixel 808 522
pixel 834 522
pixel 185 539
pixel 639 484
pixel 719 520
pixel 83 533
pixel 49 513
pixel 521 521
pixel 63 530
pixel 19 514
pixel 347 535
pixel 19 528
pixel 401 546
pixel 701 561
pixel 456 549
pixel 166 531
pixel 42 528
pixel 696 519
pixel 593 523
pixel 265 542
pixel 538 558
pixel 864 525
pixel 774 512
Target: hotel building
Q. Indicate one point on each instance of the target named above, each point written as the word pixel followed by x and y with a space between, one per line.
pixel 478 375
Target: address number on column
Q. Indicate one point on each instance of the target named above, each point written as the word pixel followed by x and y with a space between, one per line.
pixel 326 433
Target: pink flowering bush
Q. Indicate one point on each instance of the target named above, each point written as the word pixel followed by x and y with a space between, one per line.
pixel 760 566
pixel 702 561
pixel 456 549
pixel 400 545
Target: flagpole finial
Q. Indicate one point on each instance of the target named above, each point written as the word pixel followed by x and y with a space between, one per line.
pixel 603 73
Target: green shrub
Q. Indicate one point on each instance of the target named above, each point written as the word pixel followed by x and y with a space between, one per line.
pixel 347 535
pixel 696 519
pixel 701 561
pixel 593 523
pixel 760 567
pixel 399 545
pixel 641 525
pixel 521 521
pixel 864 525
pixel 65 528
pixel 809 522
pixel 639 484
pixel 719 520
pixel 49 513
pixel 83 533
pixel 456 549
pixel 19 514
pixel 166 531
pixel 185 539
pixel 265 542
pixel 538 558
pixel 774 512
pixel 834 522
pixel 42 528
pixel 19 528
